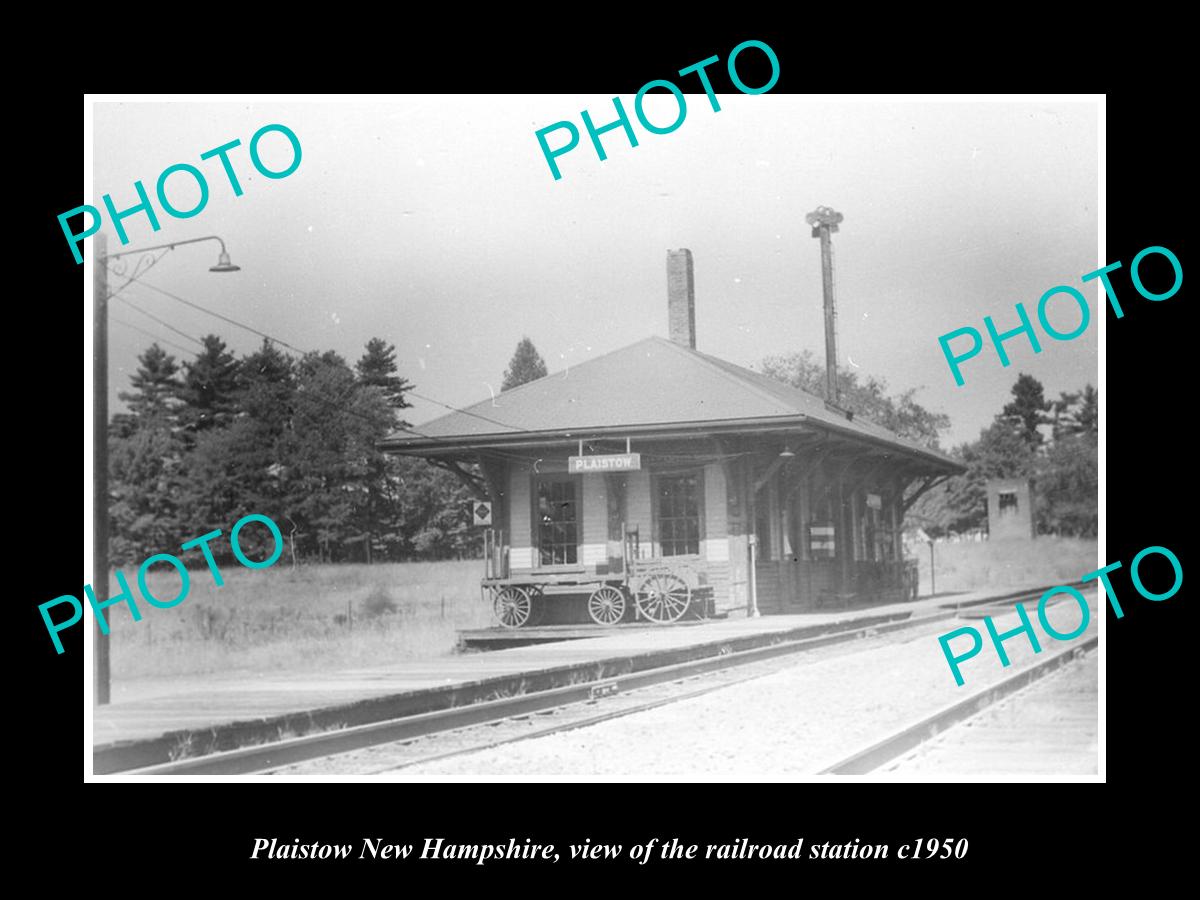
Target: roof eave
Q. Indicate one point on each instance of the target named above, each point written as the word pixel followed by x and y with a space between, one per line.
pixel 457 444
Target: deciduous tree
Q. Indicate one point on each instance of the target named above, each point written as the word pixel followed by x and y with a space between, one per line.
pixel 867 397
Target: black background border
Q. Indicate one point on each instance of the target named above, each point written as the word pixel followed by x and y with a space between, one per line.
pixel 1147 403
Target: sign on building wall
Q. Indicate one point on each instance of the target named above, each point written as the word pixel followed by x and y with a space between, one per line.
pixel 604 462
pixel 874 501
pixel 820 541
pixel 481 512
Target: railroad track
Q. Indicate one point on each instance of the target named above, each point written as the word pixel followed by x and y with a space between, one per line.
pixel 910 738
pixel 577 716
pixel 280 754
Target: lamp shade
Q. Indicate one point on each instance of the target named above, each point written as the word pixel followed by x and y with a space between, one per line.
pixel 224 265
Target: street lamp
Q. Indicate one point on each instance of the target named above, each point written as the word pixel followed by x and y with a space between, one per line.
pixel 101 679
pixel 223 263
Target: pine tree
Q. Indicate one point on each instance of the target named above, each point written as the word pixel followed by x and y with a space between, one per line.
pixel 1028 409
pixel 331 479
pixel 1077 413
pixel 145 456
pixel 209 384
pixel 155 386
pixel 377 368
pixel 380 515
pixel 265 384
pixel 238 468
pixel 1089 410
pixel 526 365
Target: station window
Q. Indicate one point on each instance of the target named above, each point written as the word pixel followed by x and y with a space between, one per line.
pixel 558 522
pixel 1008 502
pixel 679 515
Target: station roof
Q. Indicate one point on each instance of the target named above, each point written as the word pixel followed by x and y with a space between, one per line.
pixel 652 387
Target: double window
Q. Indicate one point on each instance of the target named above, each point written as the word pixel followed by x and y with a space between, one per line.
pixel 557 521
pixel 679 513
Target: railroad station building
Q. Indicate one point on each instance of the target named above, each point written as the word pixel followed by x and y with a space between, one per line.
pixel 778 501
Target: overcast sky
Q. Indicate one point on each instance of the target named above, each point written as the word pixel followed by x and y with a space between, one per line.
pixel 434 222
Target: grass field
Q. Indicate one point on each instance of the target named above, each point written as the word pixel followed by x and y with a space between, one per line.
pixel 1009 563
pixel 312 618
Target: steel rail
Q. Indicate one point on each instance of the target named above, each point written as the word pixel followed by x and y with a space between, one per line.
pixel 572 725
pixel 262 757
pixel 913 736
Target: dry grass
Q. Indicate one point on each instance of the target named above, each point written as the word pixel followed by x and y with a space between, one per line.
pixel 330 617
pixel 310 619
pixel 1007 563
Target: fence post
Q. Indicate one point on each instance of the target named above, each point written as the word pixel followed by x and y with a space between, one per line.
pixel 932 576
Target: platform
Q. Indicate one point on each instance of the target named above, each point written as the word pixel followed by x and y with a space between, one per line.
pixel 505 638
pixel 229 712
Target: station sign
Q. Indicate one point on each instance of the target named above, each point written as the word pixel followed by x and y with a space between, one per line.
pixel 604 462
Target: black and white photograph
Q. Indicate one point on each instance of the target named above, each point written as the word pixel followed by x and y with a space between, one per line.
pixel 523 437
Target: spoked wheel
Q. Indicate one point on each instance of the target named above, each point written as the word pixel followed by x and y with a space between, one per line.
pixel 512 606
pixel 663 597
pixel 606 605
pixel 537 603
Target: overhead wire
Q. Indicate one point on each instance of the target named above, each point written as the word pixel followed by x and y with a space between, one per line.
pixel 296 349
pixel 337 403
pixel 223 318
pixel 160 340
pixel 161 322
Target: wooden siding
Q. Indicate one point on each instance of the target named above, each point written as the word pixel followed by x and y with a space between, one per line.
pixel 593 534
pixel 519 538
pixel 716 535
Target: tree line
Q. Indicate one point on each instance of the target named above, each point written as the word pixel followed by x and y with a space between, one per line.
pixel 210 439
pixel 207 440
pixel 1053 442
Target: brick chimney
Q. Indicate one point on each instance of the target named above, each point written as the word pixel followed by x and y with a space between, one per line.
pixel 681 298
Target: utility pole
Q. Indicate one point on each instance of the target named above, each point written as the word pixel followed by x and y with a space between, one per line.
pixel 100 672
pixel 824 222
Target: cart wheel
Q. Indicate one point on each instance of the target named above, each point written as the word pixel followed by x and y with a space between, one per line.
pixel 606 605
pixel 537 602
pixel 662 597
pixel 512 606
